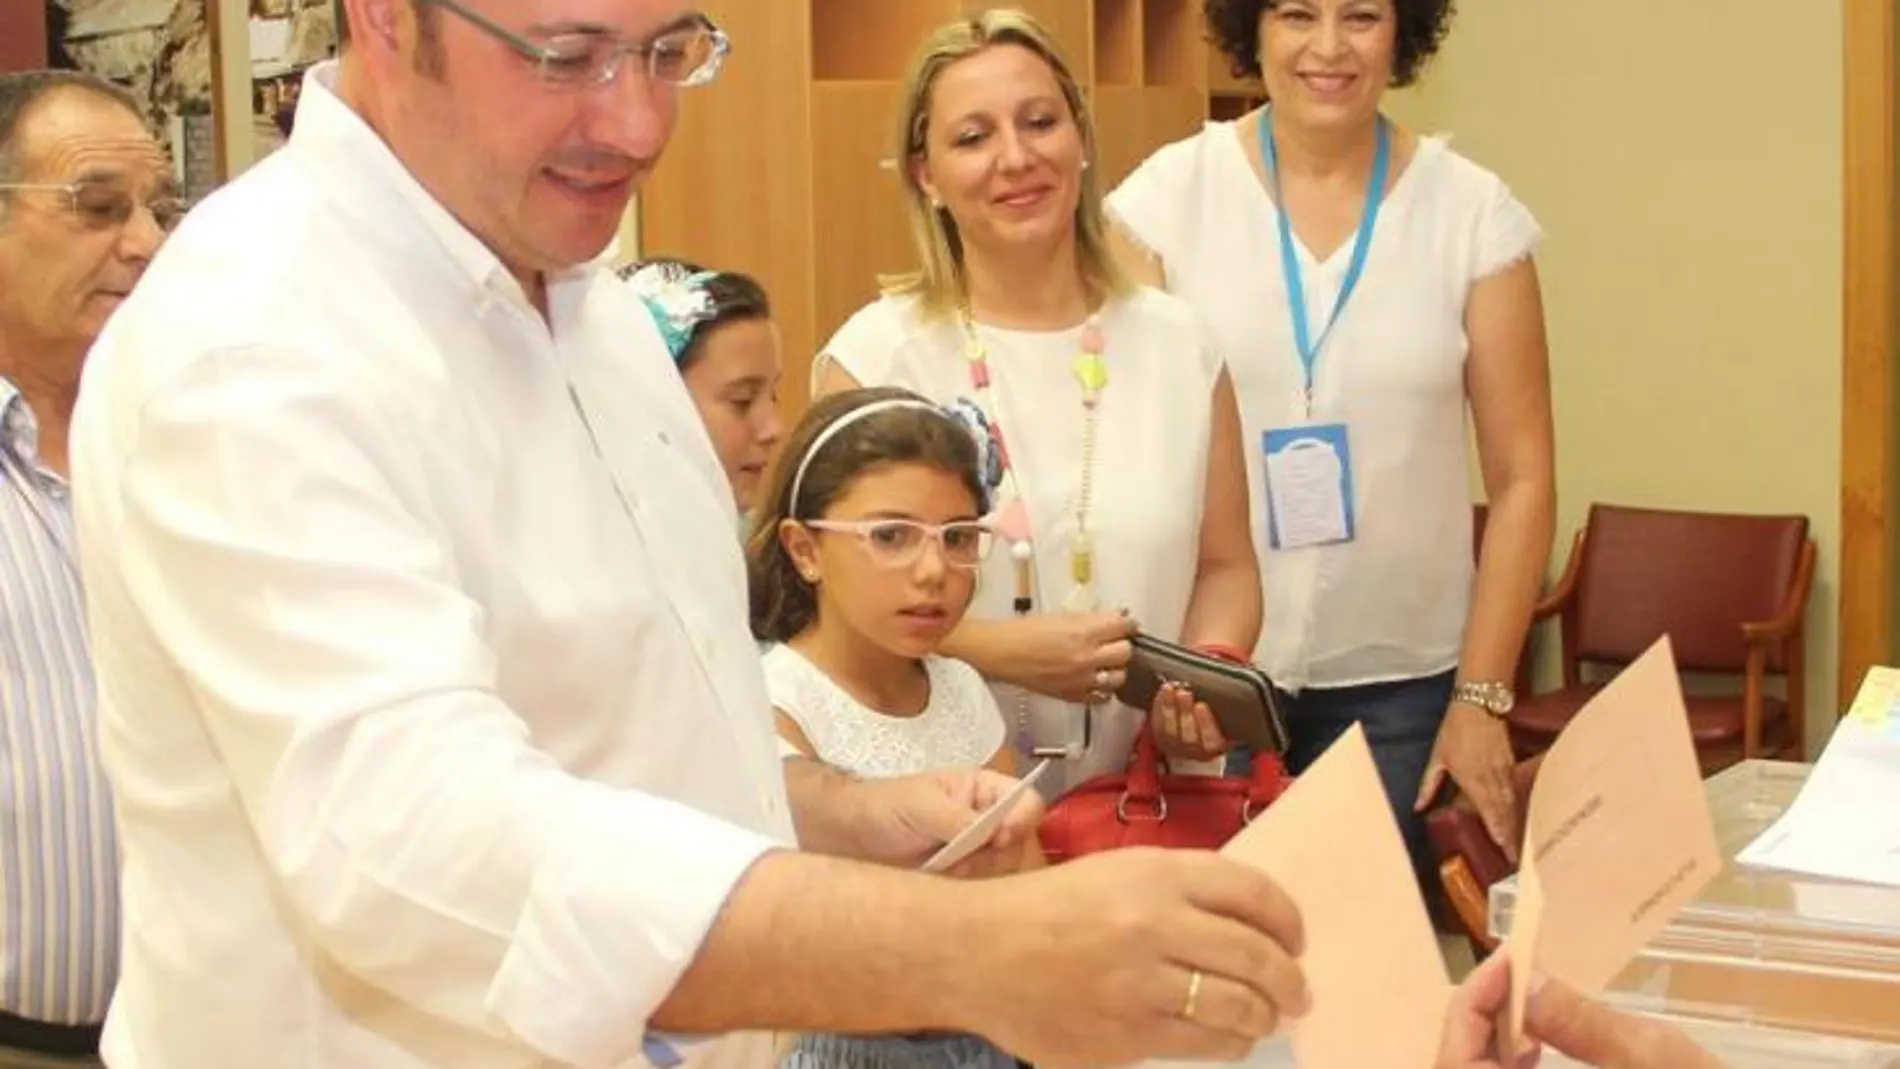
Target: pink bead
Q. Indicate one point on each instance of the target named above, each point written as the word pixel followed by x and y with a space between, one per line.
pixel 1092 338
pixel 980 374
pixel 1011 521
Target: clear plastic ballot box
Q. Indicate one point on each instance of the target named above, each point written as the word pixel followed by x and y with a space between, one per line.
pixel 1768 968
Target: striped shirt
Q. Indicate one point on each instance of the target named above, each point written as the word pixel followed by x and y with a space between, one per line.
pixel 59 896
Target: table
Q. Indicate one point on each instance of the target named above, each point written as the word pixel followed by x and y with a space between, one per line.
pixel 1768 969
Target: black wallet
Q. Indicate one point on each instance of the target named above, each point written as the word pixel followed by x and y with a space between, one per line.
pixel 1239 696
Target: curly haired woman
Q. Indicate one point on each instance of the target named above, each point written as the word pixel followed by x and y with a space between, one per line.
pixel 1368 287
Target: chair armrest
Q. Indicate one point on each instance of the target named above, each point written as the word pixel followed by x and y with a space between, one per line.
pixel 1788 618
pixel 1468 902
pixel 1456 831
pixel 1559 598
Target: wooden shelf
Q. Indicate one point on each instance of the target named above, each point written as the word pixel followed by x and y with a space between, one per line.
pixel 1117 42
pixel 1172 45
pixel 870 40
pixel 1171 113
pixel 859 229
pixel 1226 107
pixel 1068 20
pixel 1121 125
pixel 707 200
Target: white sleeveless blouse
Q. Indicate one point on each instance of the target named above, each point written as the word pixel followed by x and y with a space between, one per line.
pixel 1149 470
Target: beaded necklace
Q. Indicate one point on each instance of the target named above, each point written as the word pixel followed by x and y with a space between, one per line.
pixel 1010 518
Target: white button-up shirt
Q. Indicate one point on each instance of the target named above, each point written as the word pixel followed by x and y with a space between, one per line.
pixel 437 732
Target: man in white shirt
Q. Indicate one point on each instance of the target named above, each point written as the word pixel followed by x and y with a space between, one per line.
pixel 437 732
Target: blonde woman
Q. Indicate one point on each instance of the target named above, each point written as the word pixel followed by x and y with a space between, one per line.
pixel 1116 462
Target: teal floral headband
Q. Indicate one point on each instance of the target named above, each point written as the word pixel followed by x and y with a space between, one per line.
pixel 677 299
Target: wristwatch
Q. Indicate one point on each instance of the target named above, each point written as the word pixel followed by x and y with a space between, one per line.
pixel 1493 697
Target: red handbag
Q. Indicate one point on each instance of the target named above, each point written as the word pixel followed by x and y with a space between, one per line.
pixel 1149 806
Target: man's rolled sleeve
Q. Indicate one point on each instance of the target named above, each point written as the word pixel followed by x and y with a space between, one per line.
pixel 608 927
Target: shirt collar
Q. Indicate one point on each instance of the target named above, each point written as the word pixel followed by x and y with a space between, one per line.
pixel 19 428
pixel 329 137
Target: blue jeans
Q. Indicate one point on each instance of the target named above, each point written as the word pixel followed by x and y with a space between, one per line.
pixel 1401 719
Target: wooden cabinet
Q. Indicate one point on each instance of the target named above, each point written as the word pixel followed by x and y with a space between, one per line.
pixel 785 168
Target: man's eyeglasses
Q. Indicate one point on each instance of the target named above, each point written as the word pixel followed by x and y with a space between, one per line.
pixel 104 205
pixel 898 543
pixel 689 55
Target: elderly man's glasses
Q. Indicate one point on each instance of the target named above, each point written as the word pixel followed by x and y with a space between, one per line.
pixel 687 55
pixel 104 205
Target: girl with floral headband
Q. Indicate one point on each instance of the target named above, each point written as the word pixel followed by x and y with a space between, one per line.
pixel 718 327
pixel 863 558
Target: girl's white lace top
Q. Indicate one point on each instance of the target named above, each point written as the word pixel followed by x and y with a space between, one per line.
pixel 960 725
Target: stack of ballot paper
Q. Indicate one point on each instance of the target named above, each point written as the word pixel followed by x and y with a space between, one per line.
pixel 1845 824
pixel 1619 837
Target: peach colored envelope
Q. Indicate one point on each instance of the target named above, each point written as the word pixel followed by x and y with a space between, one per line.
pixel 1619 835
pixel 1377 978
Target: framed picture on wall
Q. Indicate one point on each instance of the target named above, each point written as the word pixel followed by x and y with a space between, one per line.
pixel 165 52
pixel 173 58
pixel 287 37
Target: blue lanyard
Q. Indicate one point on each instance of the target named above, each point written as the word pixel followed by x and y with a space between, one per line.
pixel 1290 261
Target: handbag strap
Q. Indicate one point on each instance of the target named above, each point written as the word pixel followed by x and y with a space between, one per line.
pixel 1146 766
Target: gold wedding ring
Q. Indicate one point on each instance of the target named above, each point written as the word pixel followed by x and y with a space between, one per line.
pixel 1193 995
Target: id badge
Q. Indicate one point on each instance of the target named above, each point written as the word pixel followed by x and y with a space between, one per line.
pixel 1309 486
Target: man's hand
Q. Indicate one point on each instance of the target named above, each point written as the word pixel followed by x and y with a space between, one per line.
pixel 1471 1022
pixel 903 821
pixel 1096 962
pixel 1581 1029
pixel 1594 1034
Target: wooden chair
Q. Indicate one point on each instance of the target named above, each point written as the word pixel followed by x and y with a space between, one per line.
pixel 1469 862
pixel 1730 591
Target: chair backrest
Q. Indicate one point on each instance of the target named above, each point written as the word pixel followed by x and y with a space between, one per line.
pixel 1694 576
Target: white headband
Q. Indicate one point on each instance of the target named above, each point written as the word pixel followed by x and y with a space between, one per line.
pixel 839 424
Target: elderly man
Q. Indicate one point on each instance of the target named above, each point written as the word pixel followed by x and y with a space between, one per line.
pixel 85 198
pixel 437 732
